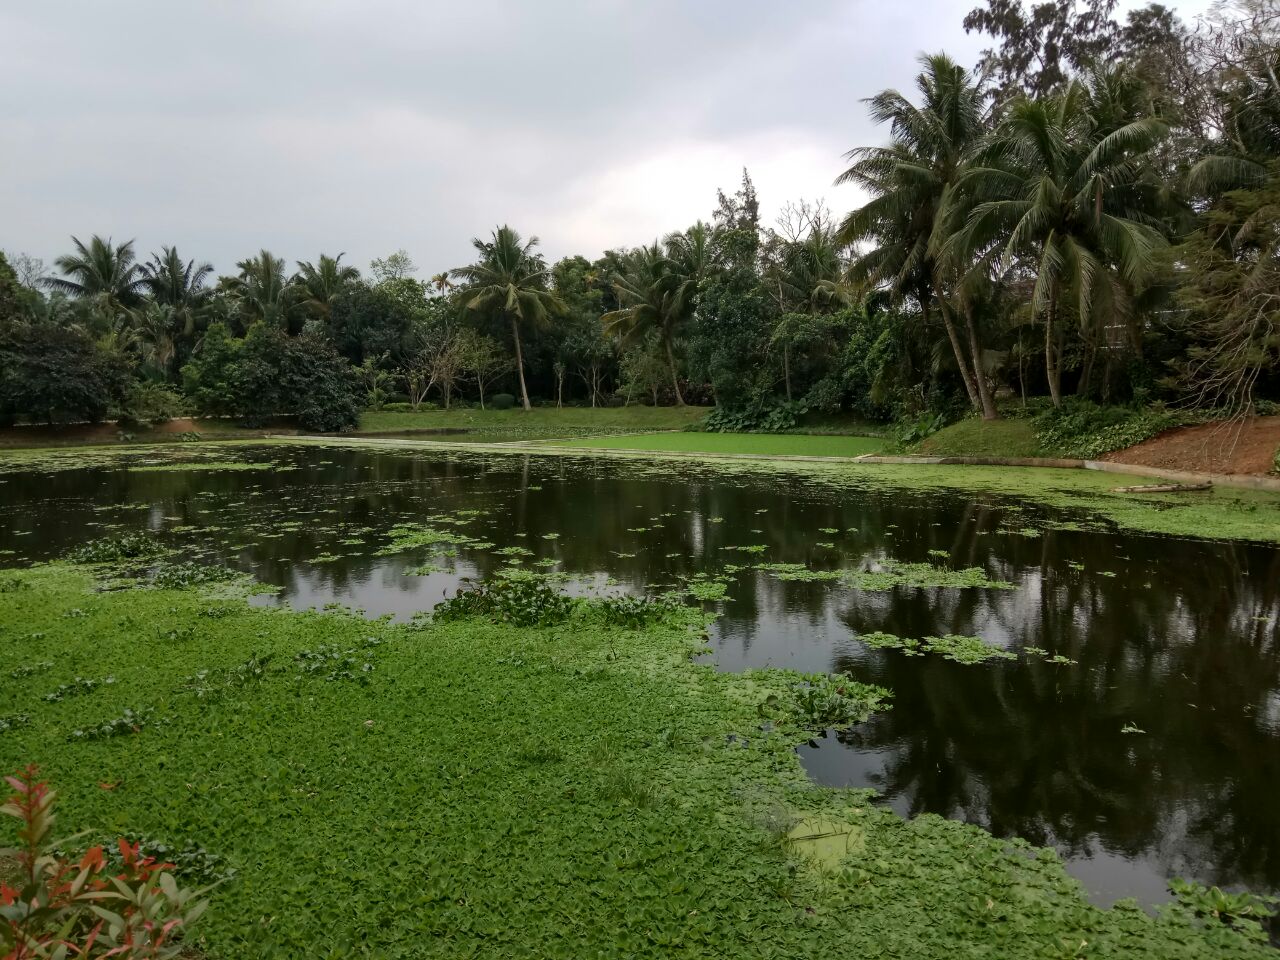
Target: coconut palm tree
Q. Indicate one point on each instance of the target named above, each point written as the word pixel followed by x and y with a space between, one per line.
pixel 909 181
pixel 808 279
pixel 178 284
pixel 158 328
pixel 510 280
pixel 646 289
pixel 323 281
pixel 1066 194
pixel 101 272
pixel 265 292
pixel 657 290
pixel 811 273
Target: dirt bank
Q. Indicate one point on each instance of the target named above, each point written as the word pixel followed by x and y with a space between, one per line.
pixel 1247 446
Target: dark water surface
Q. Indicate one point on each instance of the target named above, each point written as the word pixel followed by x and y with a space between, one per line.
pixel 1176 638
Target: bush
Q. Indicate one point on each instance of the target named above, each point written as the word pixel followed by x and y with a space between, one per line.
pixel 761 415
pixel 1085 430
pixel 397 407
pixel 502 401
pixel 521 603
pixel 130 546
pixel 913 431
pixel 87 907
pixel 269 373
pixel 636 612
pixel 148 403
pixel 55 374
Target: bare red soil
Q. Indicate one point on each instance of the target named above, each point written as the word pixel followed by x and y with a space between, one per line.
pixel 1232 446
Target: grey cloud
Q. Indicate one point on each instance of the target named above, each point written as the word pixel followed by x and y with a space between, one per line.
pixel 303 126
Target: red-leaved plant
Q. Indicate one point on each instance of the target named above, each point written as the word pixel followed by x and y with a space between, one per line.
pixel 54 907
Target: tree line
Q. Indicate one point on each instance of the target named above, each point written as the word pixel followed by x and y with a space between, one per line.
pixel 1092 213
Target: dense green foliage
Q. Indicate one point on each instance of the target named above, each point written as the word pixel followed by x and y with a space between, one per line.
pixel 58 374
pixel 268 372
pixel 475 788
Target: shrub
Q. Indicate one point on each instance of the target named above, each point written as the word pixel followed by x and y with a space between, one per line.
pixel 636 612
pixel 1083 429
pixel 147 403
pixel 59 906
pixel 502 401
pixel 913 431
pixel 1246 912
pixel 397 407
pixel 818 701
pixel 761 415
pixel 57 374
pixel 131 546
pixel 269 373
pixel 519 602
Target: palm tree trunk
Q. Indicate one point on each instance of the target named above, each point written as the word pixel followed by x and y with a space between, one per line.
pixel 675 379
pixel 1050 350
pixel 1086 373
pixel 1022 379
pixel 515 335
pixel 956 348
pixel 989 411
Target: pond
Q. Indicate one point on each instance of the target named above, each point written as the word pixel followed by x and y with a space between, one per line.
pixel 1135 726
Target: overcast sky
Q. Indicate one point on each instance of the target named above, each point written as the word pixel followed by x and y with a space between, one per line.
pixel 309 126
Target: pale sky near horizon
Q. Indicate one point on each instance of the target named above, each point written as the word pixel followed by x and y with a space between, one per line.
pixel 309 126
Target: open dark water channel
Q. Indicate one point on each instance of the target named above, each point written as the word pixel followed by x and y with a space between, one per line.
pixel 1175 637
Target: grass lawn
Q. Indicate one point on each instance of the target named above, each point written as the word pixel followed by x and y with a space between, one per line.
pixel 840 423
pixel 979 438
pixel 468 788
pixel 768 444
pixel 547 422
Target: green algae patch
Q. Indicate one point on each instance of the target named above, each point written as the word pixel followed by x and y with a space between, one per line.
pixel 406 537
pixel 886 575
pixel 217 465
pixel 898 574
pixel 954 647
pixel 166 457
pixel 467 788
pixel 755 444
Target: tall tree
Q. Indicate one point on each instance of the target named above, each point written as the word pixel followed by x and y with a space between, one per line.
pixel 1042 47
pixel 808 277
pixel 158 329
pixel 323 282
pixel 909 181
pixel 106 275
pixel 265 291
pixel 394 266
pixel 1232 296
pixel 511 280
pixel 1061 187
pixel 181 286
pixel 653 294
